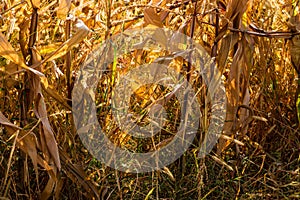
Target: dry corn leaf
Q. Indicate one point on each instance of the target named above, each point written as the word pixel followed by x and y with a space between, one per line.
pixel 51 92
pixel 227 43
pixel 77 174
pixel 28 144
pixel 247 62
pixel 58 187
pixel 238 80
pixel 24 27
pixel 11 68
pixel 80 34
pixel 151 17
pixel 232 93
pixel 36 3
pixel 48 189
pixel 8 52
pixel 4 121
pixel 222 162
pixel 236 8
pixel 169 173
pixel 162 3
pixel 47 49
pixel 47 135
pixel 63 9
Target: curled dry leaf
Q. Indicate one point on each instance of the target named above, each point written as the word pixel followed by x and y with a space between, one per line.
pixel 48 189
pixel 47 135
pixel 151 17
pixel 169 173
pixel 222 162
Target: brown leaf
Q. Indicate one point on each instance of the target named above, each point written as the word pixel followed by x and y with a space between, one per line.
pixel 295 52
pixel 4 121
pixel 48 189
pixel 151 17
pixel 232 93
pixel 77 174
pixel 28 144
pixel 11 68
pixel 237 84
pixel 227 43
pixel 163 14
pixel 51 92
pixel 40 110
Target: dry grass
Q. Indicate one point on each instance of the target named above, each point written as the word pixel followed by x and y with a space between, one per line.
pixel 41 51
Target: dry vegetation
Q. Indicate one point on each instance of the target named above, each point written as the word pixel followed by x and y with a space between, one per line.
pixel 256 45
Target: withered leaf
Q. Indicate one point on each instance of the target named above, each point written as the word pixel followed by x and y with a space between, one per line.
pixel 63 9
pixel 151 17
pixel 8 52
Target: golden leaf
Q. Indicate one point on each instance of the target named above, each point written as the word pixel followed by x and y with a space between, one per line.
pixel 36 3
pixel 151 17
pixel 8 52
pixel 63 9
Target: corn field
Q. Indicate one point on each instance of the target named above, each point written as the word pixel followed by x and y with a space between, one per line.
pixel 44 48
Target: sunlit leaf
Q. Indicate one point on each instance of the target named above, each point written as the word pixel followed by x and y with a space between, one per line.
pixel 36 3
pixel 8 52
pixel 81 33
pixel 63 9
pixel 47 49
pixel 149 193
